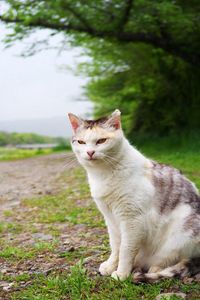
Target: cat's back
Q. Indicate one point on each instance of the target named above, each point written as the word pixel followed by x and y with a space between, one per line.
pixel 172 188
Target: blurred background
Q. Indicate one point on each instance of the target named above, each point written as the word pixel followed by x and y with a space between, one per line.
pixel 36 93
pixel 92 57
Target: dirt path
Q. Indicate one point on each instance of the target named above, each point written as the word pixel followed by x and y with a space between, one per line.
pixel 31 177
pixel 57 226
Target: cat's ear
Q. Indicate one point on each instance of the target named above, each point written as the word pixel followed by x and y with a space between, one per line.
pixel 75 121
pixel 115 119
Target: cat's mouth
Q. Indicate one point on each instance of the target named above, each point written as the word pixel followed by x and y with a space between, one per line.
pixel 92 158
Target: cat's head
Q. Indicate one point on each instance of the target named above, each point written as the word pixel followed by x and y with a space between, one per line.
pixel 94 141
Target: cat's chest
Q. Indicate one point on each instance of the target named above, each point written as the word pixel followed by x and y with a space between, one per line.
pixel 103 187
pixel 112 186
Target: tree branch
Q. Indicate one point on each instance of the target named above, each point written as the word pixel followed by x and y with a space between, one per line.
pixel 128 37
pixel 78 16
pixel 126 14
pixel 45 24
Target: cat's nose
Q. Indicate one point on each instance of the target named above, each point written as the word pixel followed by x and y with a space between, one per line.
pixel 90 153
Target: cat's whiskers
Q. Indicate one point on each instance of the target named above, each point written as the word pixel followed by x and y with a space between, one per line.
pixel 69 155
pixel 114 160
pixel 118 163
pixel 128 165
pixel 68 159
pixel 107 162
pixel 70 163
pixel 106 159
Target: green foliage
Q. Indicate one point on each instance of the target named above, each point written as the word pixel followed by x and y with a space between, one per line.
pixel 13 153
pixel 144 55
pixel 28 138
pixel 63 144
pixel 155 91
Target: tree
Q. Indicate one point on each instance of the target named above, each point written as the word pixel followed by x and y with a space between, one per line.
pixel 155 91
pixel 145 53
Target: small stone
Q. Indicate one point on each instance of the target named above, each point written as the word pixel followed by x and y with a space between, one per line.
pixel 197 277
pixel 3 283
pixel 94 273
pixel 50 270
pixel 8 286
pixel 188 280
pixel 79 226
pixel 67 242
pixel 166 296
pixel 86 260
pixel 70 249
pixel 42 236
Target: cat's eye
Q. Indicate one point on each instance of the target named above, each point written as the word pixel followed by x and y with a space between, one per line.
pixel 101 141
pixel 81 142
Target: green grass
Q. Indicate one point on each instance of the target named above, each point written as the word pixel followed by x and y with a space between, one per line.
pixel 70 206
pixel 77 285
pixel 6 227
pixel 73 207
pixel 13 153
pixel 16 253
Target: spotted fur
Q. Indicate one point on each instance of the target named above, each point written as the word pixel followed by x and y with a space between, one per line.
pixel 173 188
pixel 180 270
pixel 90 124
pixel 152 211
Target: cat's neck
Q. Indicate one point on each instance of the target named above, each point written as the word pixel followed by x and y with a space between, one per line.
pixel 123 157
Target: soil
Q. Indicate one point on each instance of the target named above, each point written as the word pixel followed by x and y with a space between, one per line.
pixel 32 177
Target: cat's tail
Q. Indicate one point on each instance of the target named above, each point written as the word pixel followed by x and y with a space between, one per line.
pixel 180 270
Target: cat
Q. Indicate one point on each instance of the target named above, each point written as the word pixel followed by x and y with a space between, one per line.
pixel 151 210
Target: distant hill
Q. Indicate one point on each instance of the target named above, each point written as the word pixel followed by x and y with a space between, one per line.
pixel 16 138
pixel 53 127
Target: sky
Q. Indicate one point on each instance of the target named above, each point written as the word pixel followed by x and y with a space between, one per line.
pixel 35 87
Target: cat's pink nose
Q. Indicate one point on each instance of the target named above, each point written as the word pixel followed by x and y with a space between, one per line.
pixel 90 153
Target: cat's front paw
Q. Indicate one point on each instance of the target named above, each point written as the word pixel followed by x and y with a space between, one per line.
pixel 107 268
pixel 119 276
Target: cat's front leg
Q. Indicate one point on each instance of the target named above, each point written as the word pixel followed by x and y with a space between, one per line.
pixel 110 265
pixel 128 250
